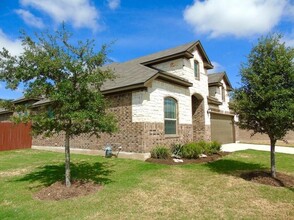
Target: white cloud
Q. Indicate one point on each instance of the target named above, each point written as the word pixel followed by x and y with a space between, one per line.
pixel 13 46
pixel 289 39
pixel 240 18
pixel 79 12
pixel 289 42
pixel 216 67
pixel 30 19
pixel 113 4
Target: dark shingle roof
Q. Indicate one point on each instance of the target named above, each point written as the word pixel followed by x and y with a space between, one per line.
pixel 127 74
pixel 136 72
pixel 24 99
pixel 164 53
pixel 217 77
pixel 41 102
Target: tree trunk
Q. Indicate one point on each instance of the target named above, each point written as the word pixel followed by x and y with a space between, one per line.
pixel 67 161
pixel 273 160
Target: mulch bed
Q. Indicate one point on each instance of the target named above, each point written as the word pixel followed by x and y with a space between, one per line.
pixel 264 177
pixel 170 161
pixel 58 190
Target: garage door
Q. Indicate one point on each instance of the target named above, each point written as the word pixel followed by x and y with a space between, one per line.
pixel 222 129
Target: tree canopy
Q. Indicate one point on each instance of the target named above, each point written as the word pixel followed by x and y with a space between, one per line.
pixel 265 100
pixel 68 76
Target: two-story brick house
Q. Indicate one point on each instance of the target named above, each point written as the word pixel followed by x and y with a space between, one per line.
pixel 163 98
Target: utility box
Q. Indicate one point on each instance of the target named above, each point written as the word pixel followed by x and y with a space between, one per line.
pixel 108 151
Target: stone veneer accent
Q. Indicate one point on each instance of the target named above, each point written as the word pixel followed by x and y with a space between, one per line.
pixel 148 105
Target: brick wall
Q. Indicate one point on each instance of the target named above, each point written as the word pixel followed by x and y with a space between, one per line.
pixel 132 136
pixel 198 119
pixel 154 135
pixel 129 135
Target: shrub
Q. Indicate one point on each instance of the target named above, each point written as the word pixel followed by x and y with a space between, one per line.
pixel 160 152
pixel 177 150
pixel 194 149
pixel 204 146
pixel 215 147
pixel 191 150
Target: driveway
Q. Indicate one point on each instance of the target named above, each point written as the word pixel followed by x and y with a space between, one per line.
pixel 238 146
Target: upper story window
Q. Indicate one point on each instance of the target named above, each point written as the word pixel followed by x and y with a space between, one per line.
pixel 223 94
pixel 170 116
pixel 196 69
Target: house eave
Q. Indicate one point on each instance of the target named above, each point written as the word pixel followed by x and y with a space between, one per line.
pixel 144 85
pixel 213 101
pixel 219 112
pixel 124 89
pixel 173 79
pixel 184 54
pixel 215 84
pixel 40 104
pixel 24 99
pixel 208 66
pixel 3 112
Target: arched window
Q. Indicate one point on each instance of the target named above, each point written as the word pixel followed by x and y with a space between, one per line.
pixel 170 116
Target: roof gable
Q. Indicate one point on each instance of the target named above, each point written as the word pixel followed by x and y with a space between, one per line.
pixel 135 73
pixel 215 78
pixel 176 52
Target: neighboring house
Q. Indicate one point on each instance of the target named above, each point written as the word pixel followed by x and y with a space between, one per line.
pixel 163 98
pixel 6 114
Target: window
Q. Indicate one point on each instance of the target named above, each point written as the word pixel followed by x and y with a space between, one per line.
pixel 223 94
pixel 196 69
pixel 170 116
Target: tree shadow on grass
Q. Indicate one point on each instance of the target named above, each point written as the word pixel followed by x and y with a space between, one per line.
pixel 49 174
pixel 230 167
pixel 250 172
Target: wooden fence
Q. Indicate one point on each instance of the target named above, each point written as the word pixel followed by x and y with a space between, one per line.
pixel 15 136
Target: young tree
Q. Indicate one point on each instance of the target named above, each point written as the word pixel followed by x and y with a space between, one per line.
pixel 265 100
pixel 70 77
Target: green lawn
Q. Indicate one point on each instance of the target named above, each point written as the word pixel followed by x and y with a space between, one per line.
pixel 140 190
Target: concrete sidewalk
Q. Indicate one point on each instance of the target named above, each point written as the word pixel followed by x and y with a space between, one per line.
pixel 238 146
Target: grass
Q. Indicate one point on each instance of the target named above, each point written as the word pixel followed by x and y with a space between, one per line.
pixel 140 190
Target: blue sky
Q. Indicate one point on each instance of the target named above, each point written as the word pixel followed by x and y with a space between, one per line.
pixel 227 28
